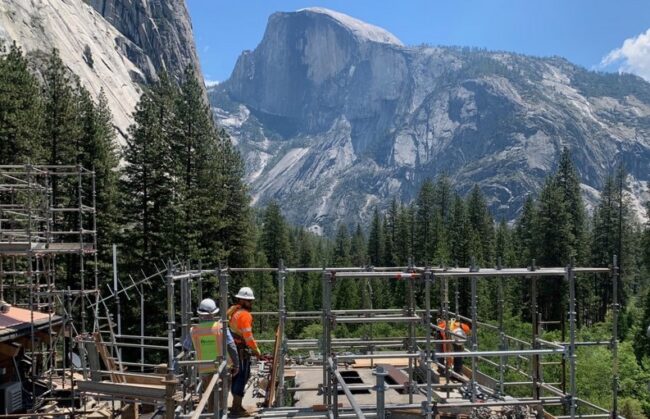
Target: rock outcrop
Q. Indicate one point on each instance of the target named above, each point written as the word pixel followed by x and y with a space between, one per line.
pixel 118 48
pixel 162 30
pixel 78 32
pixel 334 116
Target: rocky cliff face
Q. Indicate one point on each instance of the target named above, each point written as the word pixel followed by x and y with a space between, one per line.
pixel 333 116
pixel 73 27
pixel 160 28
pixel 118 48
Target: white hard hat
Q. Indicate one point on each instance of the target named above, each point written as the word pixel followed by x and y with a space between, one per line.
pixel 207 306
pixel 245 293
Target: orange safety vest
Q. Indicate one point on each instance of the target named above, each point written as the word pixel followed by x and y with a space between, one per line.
pixel 453 326
pixel 206 337
pixel 241 326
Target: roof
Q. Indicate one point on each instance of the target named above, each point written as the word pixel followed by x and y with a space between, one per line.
pixel 17 322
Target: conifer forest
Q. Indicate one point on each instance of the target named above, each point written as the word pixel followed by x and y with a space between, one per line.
pixel 173 188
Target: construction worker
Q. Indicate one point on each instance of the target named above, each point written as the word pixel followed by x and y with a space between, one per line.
pixel 241 326
pixel 459 332
pixel 206 337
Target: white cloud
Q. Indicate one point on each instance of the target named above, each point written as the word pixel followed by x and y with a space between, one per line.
pixel 632 57
pixel 211 83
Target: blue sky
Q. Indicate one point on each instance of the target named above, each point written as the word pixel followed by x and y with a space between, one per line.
pixel 603 34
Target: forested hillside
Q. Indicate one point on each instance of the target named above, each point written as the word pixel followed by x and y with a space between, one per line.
pixel 179 194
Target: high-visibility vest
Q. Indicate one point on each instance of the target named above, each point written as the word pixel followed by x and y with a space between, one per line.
pixel 241 326
pixel 455 327
pixel 206 337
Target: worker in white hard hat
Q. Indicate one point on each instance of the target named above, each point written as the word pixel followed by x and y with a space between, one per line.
pixel 241 326
pixel 206 338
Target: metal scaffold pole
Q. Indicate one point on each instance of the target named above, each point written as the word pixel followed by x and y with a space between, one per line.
pixel 473 387
pixel 429 355
pixel 170 378
pixel 615 308
pixel 282 276
pixel 326 281
pixel 570 278
pixel 223 303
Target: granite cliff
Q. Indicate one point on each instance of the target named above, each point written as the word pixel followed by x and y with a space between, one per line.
pixel 334 116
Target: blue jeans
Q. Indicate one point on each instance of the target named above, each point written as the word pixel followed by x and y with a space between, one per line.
pixel 239 381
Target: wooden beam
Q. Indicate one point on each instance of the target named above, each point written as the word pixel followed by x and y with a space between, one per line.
pixel 10 349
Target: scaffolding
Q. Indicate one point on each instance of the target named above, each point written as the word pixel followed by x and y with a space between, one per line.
pixel 428 380
pixel 36 236
pixel 48 219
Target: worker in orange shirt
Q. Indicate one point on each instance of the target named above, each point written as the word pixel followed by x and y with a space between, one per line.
pixel 241 326
pixel 459 332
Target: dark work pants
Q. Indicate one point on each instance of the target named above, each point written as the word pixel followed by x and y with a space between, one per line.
pixel 239 381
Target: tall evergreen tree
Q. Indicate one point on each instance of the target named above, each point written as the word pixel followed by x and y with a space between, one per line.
pixel 274 240
pixel 458 233
pixel 62 125
pixel 21 112
pixel 358 254
pixel 613 234
pixel 99 152
pixel 402 243
pixel 425 241
pixel 376 240
pixel 525 233
pixel 567 180
pixel 148 191
pixel 554 236
pixel 481 228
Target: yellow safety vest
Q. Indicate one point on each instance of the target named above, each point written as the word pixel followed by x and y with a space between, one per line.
pixel 206 337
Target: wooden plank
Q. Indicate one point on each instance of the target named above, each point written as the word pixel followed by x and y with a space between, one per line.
pixel 272 386
pixel 398 376
pixel 108 360
pixel 147 379
pixel 129 391
pixel 366 363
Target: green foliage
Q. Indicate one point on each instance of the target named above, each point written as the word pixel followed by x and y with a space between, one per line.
pixel 21 113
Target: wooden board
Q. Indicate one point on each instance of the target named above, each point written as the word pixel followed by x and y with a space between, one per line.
pixel 272 387
pixel 366 363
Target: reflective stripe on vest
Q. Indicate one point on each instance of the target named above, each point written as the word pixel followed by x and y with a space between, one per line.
pixel 238 334
pixel 206 338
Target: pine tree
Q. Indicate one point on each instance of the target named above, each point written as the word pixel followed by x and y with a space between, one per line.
pixel 99 152
pixel 458 233
pixel 342 246
pixel 376 240
pixel 21 112
pixel 402 242
pixel 553 239
pixel 567 180
pixel 358 254
pixel 197 173
pixel 645 240
pixel 525 233
pixel 347 290
pixel 481 228
pixel 425 244
pixel 148 192
pixel 274 240
pixel 62 127
pixel 235 235
pixel 613 234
